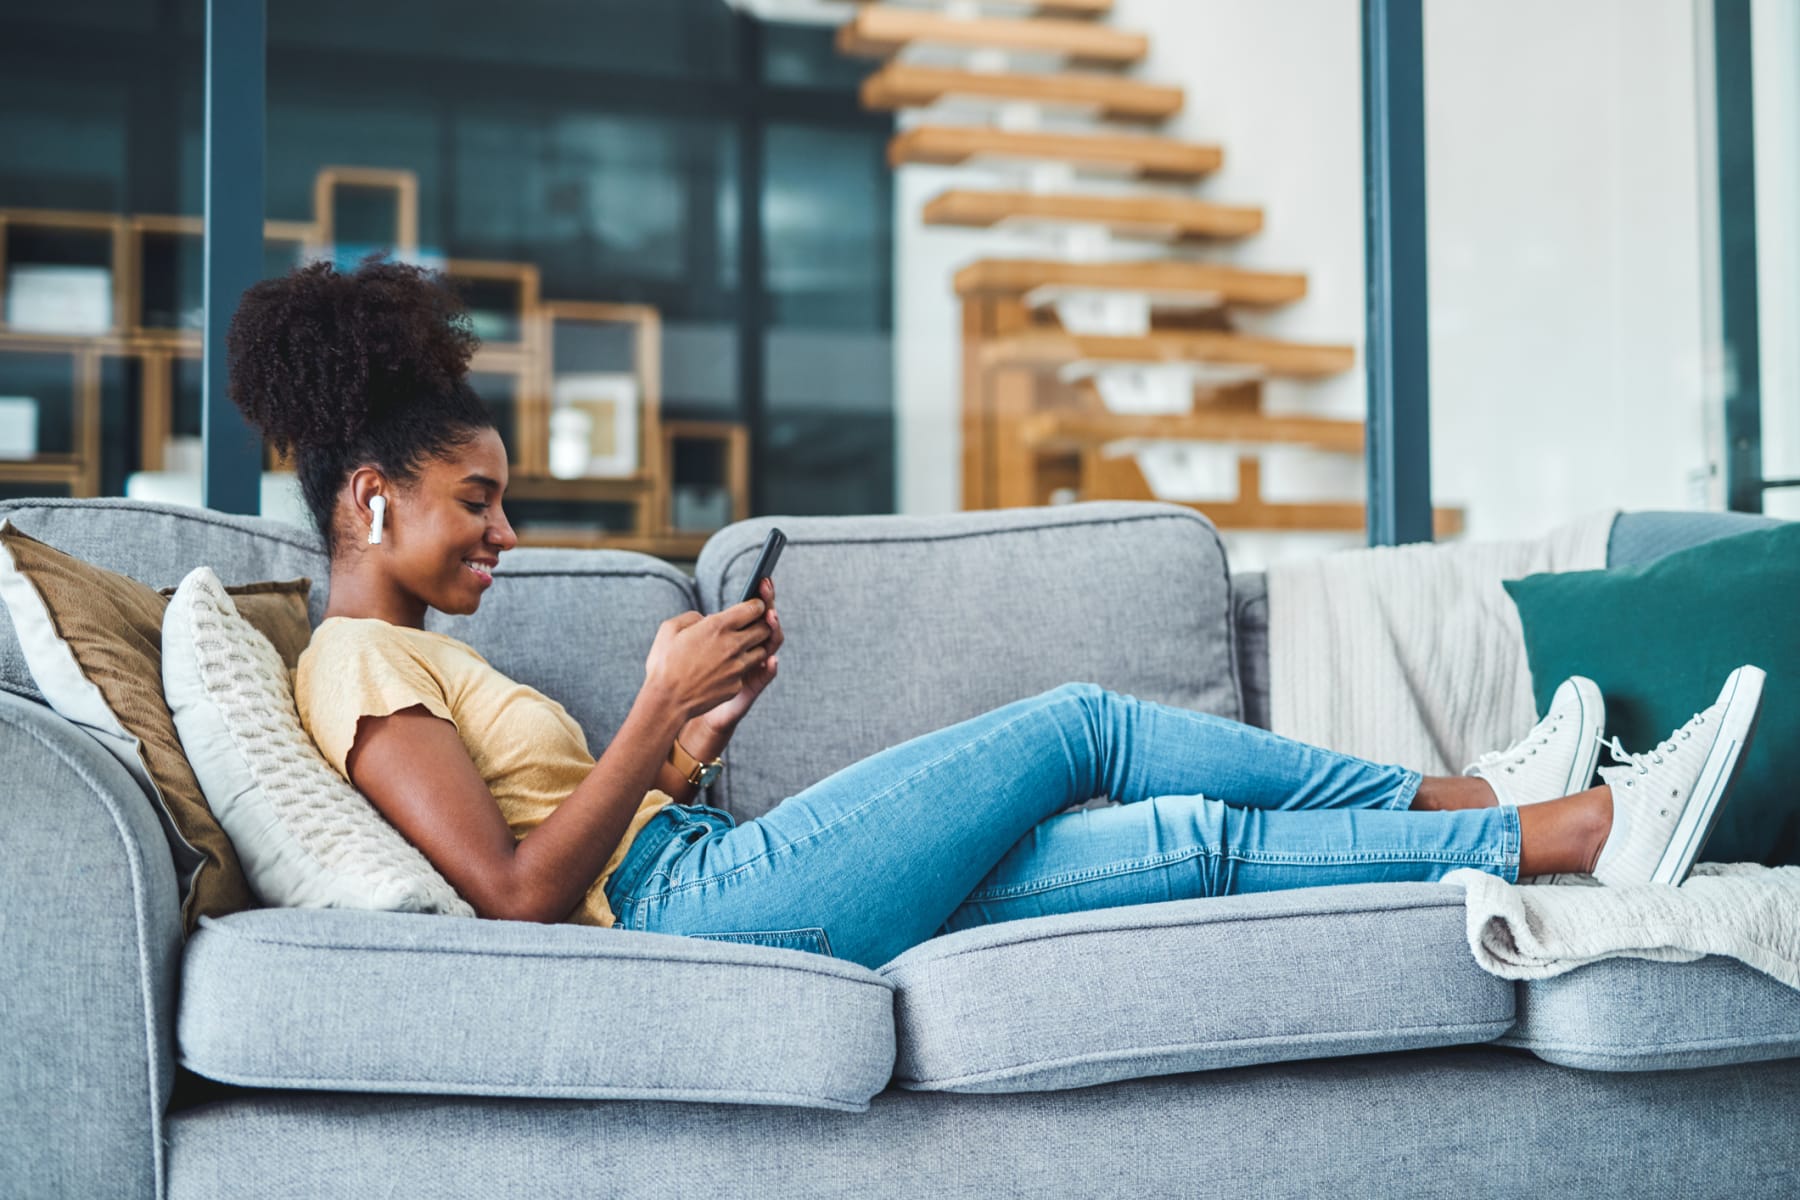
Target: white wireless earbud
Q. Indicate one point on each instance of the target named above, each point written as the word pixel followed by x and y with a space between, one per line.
pixel 379 506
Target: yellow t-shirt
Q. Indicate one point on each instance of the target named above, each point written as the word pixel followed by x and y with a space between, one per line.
pixel 526 747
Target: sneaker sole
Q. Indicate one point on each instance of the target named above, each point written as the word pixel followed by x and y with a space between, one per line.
pixel 1723 764
pixel 1593 717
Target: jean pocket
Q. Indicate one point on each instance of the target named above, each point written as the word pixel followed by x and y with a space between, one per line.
pixel 810 941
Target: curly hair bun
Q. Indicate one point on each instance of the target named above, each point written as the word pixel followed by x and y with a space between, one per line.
pixel 318 356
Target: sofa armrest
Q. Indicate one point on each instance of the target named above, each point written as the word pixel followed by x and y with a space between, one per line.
pixel 90 954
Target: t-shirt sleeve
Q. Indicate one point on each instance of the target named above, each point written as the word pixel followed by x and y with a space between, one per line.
pixel 359 676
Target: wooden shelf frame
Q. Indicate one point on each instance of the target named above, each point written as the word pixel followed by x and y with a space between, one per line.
pixel 736 440
pixel 530 361
pixel 652 496
pixel 404 184
pixel 111 225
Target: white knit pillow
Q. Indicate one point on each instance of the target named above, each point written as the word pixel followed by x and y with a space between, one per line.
pixel 305 836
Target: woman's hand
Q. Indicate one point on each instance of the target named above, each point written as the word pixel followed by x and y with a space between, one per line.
pixel 700 663
pixel 722 719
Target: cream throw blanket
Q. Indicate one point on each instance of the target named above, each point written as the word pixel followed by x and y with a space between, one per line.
pixel 1412 654
pixel 1742 910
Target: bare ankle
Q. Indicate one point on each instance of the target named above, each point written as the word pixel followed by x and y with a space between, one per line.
pixel 1603 819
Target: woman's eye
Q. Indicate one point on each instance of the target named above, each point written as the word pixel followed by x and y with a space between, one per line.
pixel 474 508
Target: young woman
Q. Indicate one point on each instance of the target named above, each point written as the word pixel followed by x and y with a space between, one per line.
pixel 364 376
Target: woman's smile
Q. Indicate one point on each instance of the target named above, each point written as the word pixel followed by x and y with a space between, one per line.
pixel 482 569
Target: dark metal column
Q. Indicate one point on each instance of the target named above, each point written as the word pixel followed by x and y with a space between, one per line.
pixel 1399 421
pixel 231 480
pixel 1744 483
pixel 753 301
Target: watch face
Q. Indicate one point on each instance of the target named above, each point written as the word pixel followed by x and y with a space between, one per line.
pixel 708 773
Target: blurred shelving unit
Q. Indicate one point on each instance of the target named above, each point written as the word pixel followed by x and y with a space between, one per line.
pixel 100 352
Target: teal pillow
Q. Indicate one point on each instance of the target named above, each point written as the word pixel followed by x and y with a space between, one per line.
pixel 1660 639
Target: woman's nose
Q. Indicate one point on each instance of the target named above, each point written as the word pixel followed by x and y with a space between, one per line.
pixel 502 535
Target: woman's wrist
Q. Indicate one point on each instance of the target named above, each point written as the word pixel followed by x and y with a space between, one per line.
pixel 703 740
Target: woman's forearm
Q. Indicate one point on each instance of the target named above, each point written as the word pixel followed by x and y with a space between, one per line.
pixel 557 862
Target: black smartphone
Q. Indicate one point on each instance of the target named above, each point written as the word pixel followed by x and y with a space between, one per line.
pixel 765 564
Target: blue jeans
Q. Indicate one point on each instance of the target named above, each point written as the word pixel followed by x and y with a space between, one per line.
pixel 965 827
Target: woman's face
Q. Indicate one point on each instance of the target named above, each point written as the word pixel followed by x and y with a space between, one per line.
pixel 446 533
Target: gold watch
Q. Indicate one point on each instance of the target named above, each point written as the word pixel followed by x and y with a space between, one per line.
pixel 692 769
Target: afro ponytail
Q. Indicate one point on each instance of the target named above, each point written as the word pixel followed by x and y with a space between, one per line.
pixel 345 370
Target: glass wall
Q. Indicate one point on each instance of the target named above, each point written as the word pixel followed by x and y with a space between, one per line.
pixel 1582 245
pixel 671 222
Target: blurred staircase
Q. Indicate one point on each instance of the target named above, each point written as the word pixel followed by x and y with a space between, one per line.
pixel 1083 363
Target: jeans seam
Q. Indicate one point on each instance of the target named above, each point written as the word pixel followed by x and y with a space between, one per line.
pixel 891 788
pixel 1051 883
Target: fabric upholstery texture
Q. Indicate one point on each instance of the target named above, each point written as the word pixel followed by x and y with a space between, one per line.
pixel 93 639
pixel 304 836
pixel 1661 638
pixel 1478 1122
pixel 90 946
pixel 1636 1015
pixel 1250 613
pixel 401 1002
pixel 1642 537
pixel 302 1000
pixel 1192 985
pixel 883 645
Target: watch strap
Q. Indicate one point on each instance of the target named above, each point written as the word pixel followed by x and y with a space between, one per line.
pixel 692 769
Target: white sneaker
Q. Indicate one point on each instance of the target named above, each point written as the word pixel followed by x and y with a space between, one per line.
pixel 1557 758
pixel 1667 800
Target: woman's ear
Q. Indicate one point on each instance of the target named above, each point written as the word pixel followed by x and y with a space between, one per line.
pixel 366 486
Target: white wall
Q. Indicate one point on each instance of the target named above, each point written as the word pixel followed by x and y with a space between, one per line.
pixel 1775 50
pixel 1565 258
pixel 1565 284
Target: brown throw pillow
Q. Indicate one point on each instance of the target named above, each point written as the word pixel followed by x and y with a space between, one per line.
pixel 93 641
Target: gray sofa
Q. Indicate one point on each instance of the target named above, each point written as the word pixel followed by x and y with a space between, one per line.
pixel 1324 1041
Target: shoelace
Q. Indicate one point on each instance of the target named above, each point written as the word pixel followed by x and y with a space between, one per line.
pixel 1644 761
pixel 1514 754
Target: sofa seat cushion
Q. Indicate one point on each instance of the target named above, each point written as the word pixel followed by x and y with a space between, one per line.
pixel 1070 1001
pixel 1636 1014
pixel 342 1000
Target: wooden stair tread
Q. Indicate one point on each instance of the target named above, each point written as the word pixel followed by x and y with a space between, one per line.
pixel 1173 217
pixel 1064 430
pixel 1293 359
pixel 1235 285
pixel 911 85
pixel 879 31
pixel 1149 156
pixel 1073 8
pixel 1120 479
pixel 1317 516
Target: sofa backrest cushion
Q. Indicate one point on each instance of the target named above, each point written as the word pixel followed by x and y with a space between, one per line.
pixel 897 626
pixel 575 624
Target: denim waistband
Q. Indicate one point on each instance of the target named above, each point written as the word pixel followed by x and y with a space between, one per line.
pixel 671 822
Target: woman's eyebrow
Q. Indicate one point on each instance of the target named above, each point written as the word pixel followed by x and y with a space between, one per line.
pixel 483 480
